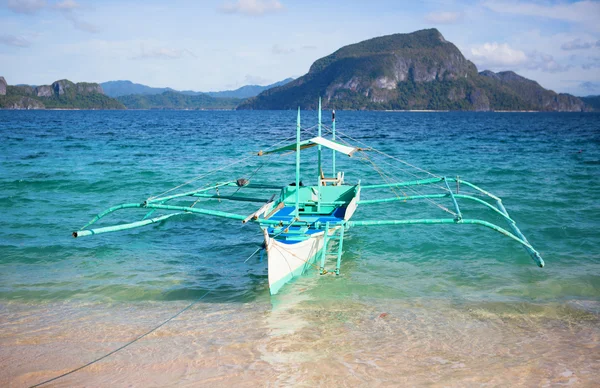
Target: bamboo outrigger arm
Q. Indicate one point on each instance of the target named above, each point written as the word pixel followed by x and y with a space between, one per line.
pixel 533 253
pixel 499 209
pixel 152 206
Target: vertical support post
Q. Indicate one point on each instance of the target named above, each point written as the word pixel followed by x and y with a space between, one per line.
pixel 319 147
pixel 324 251
pixel 319 164
pixel 298 165
pixel 333 138
pixel 458 217
pixel 339 255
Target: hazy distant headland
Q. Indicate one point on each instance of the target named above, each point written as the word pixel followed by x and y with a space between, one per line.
pixel 415 71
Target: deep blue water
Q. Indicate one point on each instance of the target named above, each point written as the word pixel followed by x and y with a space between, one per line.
pixel 59 168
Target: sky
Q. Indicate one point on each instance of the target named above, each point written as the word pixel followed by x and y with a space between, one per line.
pixel 211 45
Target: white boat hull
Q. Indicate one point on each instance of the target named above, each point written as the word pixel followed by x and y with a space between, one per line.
pixel 287 261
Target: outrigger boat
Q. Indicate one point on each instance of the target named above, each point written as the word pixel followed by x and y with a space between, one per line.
pixel 301 224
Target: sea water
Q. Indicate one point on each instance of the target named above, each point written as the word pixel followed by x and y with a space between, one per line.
pixel 419 305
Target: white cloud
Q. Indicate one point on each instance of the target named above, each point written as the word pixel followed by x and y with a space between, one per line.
pixel 593 87
pixel 280 50
pixel 494 55
pixel 497 56
pixel 580 12
pixel 78 23
pixel 252 7
pixel 16 41
pixel 164 53
pixel 577 44
pixel 256 80
pixel 66 5
pixel 67 8
pixel 444 17
pixel 26 6
pixel 594 63
pixel 545 62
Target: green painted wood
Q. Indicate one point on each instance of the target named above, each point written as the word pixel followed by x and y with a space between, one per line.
pixel 333 138
pixel 474 187
pixel 458 213
pixel 319 165
pixel 188 193
pixel 532 252
pixel 117 228
pixel 297 210
pixel 443 221
pixel 231 198
pixel 324 250
pixel 403 184
pixel 433 196
pixel 339 253
pixel 110 210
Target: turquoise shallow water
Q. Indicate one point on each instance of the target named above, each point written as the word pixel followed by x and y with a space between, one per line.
pixel 59 168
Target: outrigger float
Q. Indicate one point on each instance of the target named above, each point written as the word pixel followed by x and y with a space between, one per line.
pixel 302 224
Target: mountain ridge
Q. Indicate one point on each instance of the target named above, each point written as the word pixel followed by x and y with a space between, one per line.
pixel 414 71
pixel 125 87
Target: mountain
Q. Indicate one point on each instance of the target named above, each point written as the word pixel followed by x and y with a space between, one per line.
pixel 248 90
pixel 592 101
pixel 176 100
pixel 62 94
pixel 124 88
pixel 420 70
pixel 534 94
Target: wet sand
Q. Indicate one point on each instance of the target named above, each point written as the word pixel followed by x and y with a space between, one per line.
pixel 300 341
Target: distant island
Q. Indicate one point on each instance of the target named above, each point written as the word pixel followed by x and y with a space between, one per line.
pixel 124 88
pixel 415 71
pixel 62 94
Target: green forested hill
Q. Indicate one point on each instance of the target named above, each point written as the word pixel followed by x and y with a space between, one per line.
pixel 593 102
pixel 176 100
pixel 62 94
pixel 420 70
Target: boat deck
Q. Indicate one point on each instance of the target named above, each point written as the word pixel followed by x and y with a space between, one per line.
pixel 298 233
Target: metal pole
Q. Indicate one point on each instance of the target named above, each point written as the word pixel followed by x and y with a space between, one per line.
pixel 298 165
pixel 319 163
pixel 319 126
pixel 333 138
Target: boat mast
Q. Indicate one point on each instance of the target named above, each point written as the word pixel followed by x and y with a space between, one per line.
pixel 298 165
pixel 333 138
pixel 319 126
pixel 320 167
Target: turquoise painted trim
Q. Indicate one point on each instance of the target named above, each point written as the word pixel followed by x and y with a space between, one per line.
pixel 188 193
pixel 110 210
pixel 333 138
pixel 535 256
pixel 231 198
pixel 412 197
pixel 445 221
pixel 339 253
pixel 474 187
pixel 324 250
pixel 116 228
pixel 297 210
pixel 458 213
pixel 319 162
pixel 402 184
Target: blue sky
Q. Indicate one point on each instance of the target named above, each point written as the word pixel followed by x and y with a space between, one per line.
pixel 223 44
